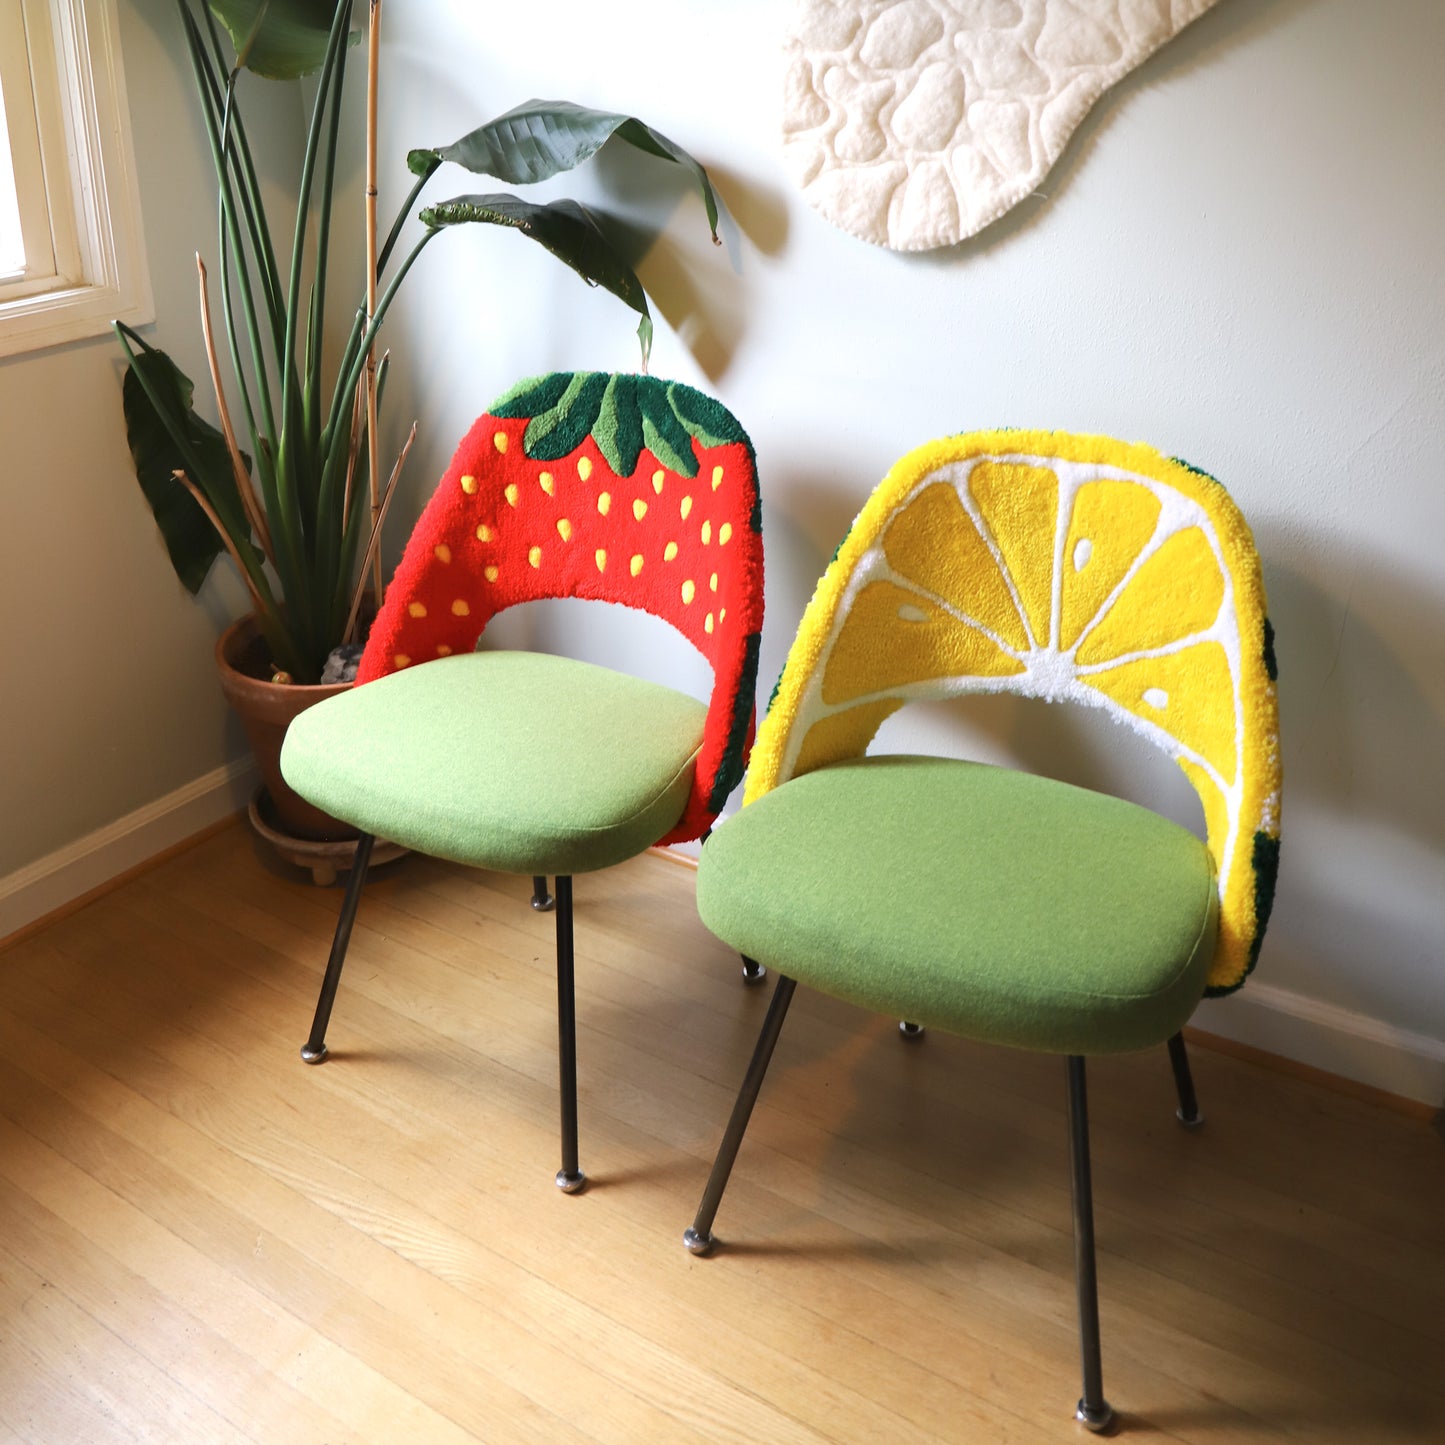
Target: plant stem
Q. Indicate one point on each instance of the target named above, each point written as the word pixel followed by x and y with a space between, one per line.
pixel 316 327
pixel 249 500
pixel 250 189
pixel 257 601
pixel 373 442
pixel 290 494
pixel 211 108
pixel 350 373
pixel 402 216
pixel 373 546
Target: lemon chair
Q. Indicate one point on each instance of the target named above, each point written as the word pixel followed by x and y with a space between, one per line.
pixel 618 488
pixel 992 903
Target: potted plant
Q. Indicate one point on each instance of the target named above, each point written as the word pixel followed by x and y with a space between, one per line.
pixel 289 483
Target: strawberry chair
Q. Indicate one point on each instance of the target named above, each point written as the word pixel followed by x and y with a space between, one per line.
pixel 992 903
pixel 611 487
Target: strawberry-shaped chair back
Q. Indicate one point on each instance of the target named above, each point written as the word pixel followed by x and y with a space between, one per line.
pixel 618 488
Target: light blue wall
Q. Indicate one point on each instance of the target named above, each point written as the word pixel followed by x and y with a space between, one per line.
pixel 1238 260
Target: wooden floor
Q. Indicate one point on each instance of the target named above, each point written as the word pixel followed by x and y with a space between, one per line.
pixel 202 1239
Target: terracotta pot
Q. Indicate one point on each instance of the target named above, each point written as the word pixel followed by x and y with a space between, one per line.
pixel 266 709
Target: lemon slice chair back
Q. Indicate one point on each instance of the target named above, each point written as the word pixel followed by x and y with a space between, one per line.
pixel 617 488
pixel 988 902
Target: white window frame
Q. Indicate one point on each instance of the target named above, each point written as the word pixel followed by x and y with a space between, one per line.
pixel 75 176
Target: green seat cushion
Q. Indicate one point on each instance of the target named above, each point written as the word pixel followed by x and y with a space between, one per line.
pixel 990 903
pixel 515 761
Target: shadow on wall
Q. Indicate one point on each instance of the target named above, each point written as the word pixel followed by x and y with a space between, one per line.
pixel 692 283
pixel 1361 908
pixel 1362 737
pixel 670 258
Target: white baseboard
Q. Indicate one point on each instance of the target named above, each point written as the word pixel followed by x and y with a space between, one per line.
pixel 1331 1038
pixel 71 872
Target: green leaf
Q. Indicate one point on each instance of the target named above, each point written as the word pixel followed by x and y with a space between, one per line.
pixel 555 433
pixel 527 398
pixel 707 420
pixel 190 539
pixel 665 437
pixel 280 39
pixel 542 138
pixel 569 231
pixel 618 429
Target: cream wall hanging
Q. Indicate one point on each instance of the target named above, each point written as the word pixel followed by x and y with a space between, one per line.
pixel 915 123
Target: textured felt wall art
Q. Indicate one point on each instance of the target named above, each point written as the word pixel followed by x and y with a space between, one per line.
pixel 1073 569
pixel 914 123
pixel 625 489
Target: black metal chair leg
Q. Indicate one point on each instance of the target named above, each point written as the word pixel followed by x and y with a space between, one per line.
pixel 542 901
pixel 314 1049
pixel 699 1237
pixel 1093 1410
pixel 753 971
pixel 1188 1111
pixel 570 1178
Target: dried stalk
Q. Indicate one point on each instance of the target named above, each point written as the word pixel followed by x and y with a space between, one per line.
pixel 225 537
pixel 373 552
pixel 249 500
pixel 373 445
pixel 358 410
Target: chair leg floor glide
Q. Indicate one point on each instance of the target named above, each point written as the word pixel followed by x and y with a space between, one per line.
pixel 570 1178
pixel 753 971
pixel 1093 1411
pixel 1188 1111
pixel 542 901
pixel 314 1050
pixel 699 1237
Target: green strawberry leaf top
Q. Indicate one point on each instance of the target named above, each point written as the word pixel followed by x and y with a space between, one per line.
pixel 622 414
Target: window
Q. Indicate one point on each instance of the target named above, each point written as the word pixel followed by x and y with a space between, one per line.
pixel 71 253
